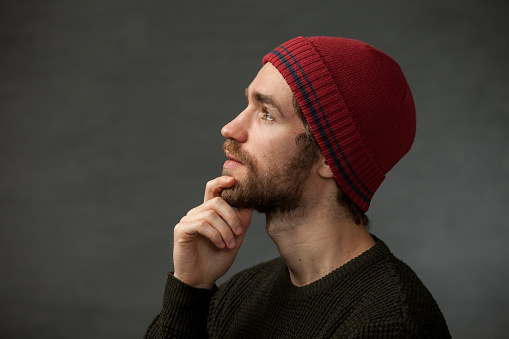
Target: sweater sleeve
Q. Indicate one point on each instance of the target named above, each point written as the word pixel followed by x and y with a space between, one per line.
pixel 184 312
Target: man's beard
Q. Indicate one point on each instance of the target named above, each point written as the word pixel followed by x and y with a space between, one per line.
pixel 275 189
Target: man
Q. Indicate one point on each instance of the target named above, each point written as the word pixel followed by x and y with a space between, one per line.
pixel 326 119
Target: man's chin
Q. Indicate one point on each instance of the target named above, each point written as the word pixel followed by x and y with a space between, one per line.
pixel 237 198
pixel 230 196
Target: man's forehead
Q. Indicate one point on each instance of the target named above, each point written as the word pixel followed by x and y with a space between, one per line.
pixel 270 83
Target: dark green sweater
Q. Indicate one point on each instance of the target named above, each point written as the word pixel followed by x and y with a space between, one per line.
pixel 373 296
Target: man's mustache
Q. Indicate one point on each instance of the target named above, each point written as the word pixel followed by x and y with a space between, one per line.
pixel 233 146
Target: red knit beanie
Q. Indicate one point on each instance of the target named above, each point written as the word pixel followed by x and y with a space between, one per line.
pixel 357 103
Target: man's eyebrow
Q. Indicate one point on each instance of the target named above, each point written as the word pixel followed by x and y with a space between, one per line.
pixel 266 99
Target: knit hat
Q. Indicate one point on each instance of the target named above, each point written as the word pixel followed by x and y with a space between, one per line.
pixel 357 103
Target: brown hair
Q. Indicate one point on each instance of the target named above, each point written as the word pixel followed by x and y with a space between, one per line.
pixel 353 211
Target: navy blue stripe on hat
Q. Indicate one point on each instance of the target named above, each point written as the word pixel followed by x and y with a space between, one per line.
pixel 331 132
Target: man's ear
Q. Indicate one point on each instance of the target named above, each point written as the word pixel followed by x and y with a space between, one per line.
pixel 323 168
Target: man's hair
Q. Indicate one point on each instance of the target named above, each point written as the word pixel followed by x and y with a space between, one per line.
pixel 353 211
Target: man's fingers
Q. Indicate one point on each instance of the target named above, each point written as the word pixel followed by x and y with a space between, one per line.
pixel 214 187
pixel 221 226
pixel 215 219
pixel 244 215
pixel 211 218
pixel 221 207
pixel 185 232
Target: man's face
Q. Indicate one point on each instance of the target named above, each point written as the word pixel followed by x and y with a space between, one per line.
pixel 271 168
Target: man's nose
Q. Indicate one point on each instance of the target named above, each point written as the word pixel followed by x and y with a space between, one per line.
pixel 237 128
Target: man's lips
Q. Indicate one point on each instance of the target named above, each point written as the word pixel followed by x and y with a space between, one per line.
pixel 232 161
pixel 231 157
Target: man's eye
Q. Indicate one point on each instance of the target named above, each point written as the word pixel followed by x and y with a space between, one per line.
pixel 267 116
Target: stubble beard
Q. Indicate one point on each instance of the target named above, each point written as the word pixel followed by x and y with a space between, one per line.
pixel 274 190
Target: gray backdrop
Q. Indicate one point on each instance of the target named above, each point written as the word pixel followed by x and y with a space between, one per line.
pixel 110 118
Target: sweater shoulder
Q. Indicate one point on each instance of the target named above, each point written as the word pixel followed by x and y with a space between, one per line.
pixel 393 297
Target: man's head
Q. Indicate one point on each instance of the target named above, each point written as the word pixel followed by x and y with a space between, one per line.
pixel 355 102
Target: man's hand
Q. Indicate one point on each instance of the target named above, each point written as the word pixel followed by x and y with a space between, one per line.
pixel 207 239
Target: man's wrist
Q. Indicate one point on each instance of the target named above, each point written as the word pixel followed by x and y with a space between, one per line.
pixel 201 285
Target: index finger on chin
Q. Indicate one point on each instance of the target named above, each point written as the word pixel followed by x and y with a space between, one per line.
pixel 215 186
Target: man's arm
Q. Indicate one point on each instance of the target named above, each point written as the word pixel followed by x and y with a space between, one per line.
pixel 207 239
pixel 206 242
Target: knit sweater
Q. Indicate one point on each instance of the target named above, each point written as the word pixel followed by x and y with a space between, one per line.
pixel 372 296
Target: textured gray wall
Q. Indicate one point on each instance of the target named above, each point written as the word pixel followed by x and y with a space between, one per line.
pixel 110 114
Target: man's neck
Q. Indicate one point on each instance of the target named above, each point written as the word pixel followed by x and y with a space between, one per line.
pixel 315 242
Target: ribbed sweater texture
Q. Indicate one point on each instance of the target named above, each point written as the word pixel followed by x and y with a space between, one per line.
pixel 372 296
